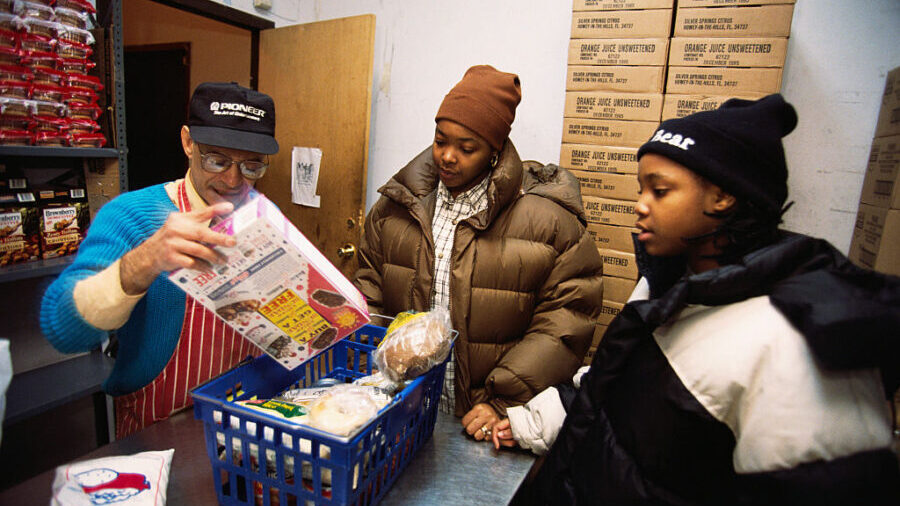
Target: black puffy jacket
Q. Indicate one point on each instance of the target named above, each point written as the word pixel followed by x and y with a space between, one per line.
pixel 645 428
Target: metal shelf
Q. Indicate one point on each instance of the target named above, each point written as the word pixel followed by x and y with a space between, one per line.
pixel 59 152
pixel 33 392
pixel 35 269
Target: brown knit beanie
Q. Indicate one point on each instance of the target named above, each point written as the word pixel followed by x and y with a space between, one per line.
pixel 484 101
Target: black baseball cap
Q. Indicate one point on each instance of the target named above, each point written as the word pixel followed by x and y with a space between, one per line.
pixel 231 116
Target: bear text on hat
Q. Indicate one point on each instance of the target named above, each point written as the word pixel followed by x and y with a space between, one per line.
pixel 676 140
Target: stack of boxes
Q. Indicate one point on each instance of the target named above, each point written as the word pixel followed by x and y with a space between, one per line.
pixel 876 237
pixel 633 63
pixel 614 97
pixel 723 49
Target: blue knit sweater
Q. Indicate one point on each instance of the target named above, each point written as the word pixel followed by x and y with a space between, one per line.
pixel 148 339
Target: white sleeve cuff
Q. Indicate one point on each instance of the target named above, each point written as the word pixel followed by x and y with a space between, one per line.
pixel 578 374
pixel 101 300
pixel 536 424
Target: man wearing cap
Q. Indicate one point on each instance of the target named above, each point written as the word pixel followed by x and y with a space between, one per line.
pixel 168 343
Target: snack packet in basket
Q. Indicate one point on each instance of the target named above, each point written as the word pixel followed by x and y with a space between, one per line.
pixel 413 344
pixel 127 480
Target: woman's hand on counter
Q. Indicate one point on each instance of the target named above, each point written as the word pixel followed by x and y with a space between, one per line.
pixel 502 435
pixel 479 421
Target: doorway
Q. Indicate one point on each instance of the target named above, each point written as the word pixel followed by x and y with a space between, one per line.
pixel 156 105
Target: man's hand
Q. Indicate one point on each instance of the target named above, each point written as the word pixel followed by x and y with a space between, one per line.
pixel 479 422
pixel 185 240
pixel 502 434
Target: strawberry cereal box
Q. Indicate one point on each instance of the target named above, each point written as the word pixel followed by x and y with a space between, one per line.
pixel 276 289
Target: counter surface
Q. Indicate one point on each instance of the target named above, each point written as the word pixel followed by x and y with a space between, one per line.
pixel 450 468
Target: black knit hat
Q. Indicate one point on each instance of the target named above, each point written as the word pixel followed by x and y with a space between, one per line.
pixel 737 147
pixel 229 115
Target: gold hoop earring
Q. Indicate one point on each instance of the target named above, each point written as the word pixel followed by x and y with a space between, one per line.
pixel 495 159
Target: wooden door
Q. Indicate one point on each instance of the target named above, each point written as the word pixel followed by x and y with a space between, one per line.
pixel 320 76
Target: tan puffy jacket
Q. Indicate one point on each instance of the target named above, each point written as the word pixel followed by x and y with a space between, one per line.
pixel 526 279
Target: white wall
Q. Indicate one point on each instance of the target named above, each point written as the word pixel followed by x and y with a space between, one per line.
pixel 837 60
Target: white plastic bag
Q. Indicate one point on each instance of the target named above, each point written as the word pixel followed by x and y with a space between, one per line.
pixel 128 480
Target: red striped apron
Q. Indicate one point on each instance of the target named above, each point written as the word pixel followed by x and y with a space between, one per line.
pixel 206 348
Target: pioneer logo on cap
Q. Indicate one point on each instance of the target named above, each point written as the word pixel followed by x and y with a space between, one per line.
pixel 233 109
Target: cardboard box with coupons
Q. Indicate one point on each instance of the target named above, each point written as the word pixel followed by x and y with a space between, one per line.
pixel 276 289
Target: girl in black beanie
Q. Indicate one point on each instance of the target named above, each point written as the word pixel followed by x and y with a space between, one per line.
pixel 750 366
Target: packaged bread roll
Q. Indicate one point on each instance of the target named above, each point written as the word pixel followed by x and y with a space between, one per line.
pixel 344 409
pixel 414 344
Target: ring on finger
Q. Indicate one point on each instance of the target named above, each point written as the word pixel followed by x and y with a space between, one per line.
pixel 485 430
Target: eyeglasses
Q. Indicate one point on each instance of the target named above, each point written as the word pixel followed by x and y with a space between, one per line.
pixel 217 162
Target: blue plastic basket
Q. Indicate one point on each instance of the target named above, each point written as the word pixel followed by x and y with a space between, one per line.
pixel 291 465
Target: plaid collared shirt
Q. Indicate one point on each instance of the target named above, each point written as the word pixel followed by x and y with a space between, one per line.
pixel 448 212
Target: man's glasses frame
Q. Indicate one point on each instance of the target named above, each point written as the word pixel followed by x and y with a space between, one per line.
pixel 217 163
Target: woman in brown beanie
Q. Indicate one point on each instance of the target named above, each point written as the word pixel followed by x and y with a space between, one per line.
pixel 465 227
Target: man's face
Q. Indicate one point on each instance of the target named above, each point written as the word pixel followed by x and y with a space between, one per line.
pixel 229 185
pixel 461 156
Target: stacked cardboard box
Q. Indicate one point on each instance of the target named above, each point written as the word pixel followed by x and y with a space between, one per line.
pixel 876 237
pixel 723 49
pixel 614 98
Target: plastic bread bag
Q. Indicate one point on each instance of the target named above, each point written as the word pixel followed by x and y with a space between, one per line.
pixel 379 380
pixel 127 480
pixel 346 408
pixel 413 344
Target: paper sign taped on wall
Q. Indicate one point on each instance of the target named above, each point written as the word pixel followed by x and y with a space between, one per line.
pixel 305 164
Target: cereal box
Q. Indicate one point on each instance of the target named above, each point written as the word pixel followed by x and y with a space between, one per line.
pixel 65 216
pixel 276 289
pixel 19 228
